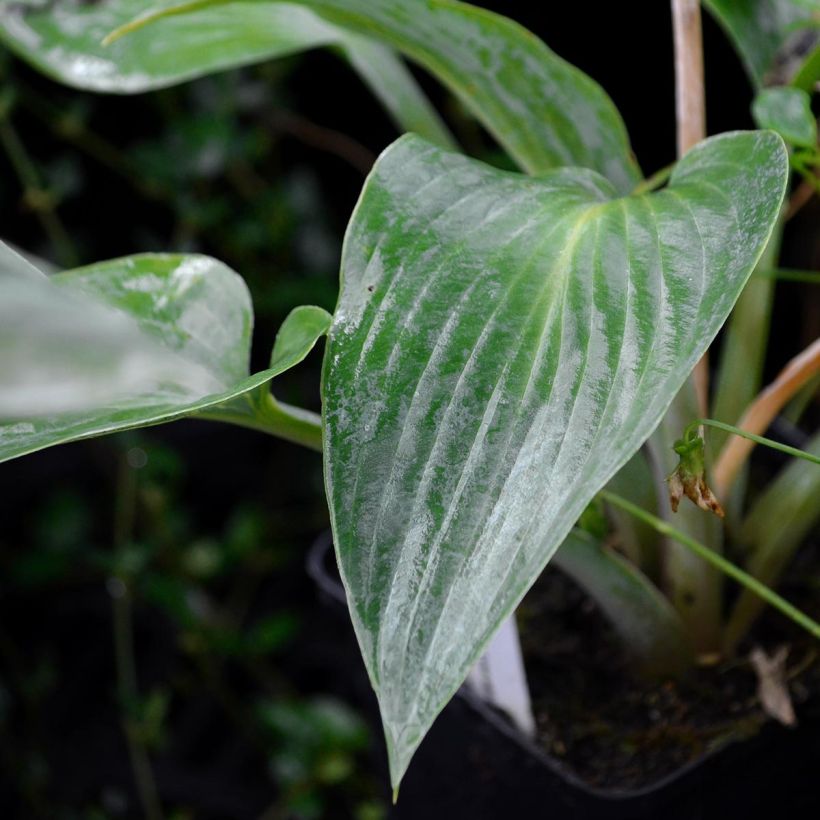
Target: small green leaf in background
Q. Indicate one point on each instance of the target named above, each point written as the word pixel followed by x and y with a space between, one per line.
pixel 775 38
pixel 501 347
pixel 131 342
pixel 66 42
pixel 775 528
pixel 313 741
pixel 787 111
pixel 543 111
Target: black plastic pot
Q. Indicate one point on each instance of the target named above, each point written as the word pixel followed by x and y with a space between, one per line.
pixel 475 764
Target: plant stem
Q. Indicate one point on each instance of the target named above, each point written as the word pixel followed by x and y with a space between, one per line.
pixel 736 431
pixel 655 181
pixel 795 409
pixel 727 567
pixel 273 417
pixel 693 585
pixel 745 339
pixel 690 105
pixel 642 616
pixel 123 628
pixel 324 139
pixel 639 543
pixel 803 194
pixel 781 518
pixel 690 111
pixel 761 412
pixel 809 277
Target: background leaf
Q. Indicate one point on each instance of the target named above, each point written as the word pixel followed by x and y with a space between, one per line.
pixel 65 42
pixel 787 111
pixel 172 332
pixel 781 518
pixel 773 37
pixel 643 617
pixel 502 345
pixel 541 109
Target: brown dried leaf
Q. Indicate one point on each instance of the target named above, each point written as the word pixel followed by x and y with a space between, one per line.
pixel 772 686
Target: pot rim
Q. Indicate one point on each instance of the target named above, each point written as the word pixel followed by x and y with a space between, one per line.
pixel 333 589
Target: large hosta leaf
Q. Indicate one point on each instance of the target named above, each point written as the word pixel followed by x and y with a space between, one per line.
pixel 544 111
pixel 502 345
pixel 773 37
pixel 135 341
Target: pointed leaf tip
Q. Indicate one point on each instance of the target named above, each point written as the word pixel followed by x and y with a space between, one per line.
pixel 300 331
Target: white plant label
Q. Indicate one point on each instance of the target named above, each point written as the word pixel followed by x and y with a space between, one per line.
pixel 499 677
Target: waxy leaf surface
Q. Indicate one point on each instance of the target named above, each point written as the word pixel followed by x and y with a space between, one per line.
pixel 545 112
pixel 502 345
pixel 65 40
pixel 176 332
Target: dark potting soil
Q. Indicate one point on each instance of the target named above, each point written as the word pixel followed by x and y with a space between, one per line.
pixel 616 731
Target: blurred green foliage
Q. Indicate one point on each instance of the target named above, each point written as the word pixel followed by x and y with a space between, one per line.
pixel 225 166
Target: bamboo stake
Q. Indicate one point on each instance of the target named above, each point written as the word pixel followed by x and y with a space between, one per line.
pixel 690 110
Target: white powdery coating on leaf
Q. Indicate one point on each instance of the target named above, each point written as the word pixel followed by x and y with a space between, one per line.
pixel 490 378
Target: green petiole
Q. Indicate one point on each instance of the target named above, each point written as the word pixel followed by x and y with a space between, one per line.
pixel 810 277
pixel 727 567
pixel 728 428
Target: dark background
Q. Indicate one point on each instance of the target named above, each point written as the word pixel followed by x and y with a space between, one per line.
pixel 249 685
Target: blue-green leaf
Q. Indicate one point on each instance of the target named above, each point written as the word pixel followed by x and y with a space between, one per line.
pixel 501 347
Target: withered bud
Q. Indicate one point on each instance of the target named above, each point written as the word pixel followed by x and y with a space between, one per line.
pixel 689 476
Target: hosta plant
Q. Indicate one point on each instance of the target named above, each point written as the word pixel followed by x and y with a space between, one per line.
pixel 508 374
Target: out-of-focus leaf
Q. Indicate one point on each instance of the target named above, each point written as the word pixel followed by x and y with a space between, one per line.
pixel 787 111
pixel 773 37
pixel 642 616
pixel 501 347
pixel 545 112
pixel 63 352
pixel 773 531
pixel 807 75
pixel 128 343
pixel 386 75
